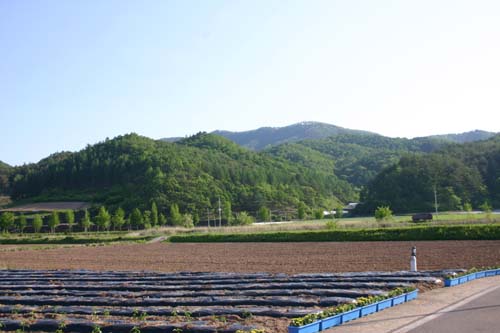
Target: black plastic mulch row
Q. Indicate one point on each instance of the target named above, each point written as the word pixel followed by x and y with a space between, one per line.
pixel 79 326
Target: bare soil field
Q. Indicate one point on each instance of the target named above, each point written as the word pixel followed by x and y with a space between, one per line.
pixel 290 258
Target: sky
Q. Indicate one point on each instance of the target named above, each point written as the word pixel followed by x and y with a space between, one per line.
pixel 73 73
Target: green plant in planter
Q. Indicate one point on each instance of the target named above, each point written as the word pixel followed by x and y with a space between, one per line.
pixel 307 319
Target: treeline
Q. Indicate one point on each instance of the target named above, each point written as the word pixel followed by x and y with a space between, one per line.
pixel 457 177
pixel 5 171
pixel 131 171
pixel 102 219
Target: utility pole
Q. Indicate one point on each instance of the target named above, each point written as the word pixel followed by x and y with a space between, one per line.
pixel 220 215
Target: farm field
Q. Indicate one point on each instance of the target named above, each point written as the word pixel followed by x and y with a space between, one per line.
pixel 289 258
pixel 127 301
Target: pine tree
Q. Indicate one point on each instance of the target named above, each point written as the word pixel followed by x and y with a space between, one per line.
pixel 162 219
pixel 154 214
pixel 146 218
pixel 175 215
pixel 227 214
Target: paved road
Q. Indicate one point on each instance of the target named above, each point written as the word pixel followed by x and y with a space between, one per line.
pixel 441 310
pixel 479 315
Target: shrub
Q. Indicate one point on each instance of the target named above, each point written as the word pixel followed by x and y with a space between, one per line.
pixel 383 213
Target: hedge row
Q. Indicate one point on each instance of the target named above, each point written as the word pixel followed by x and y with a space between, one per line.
pixel 419 233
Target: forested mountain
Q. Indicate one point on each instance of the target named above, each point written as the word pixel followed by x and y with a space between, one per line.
pixel 270 136
pixel 131 171
pixel 465 137
pixel 266 137
pixel 5 170
pixel 467 173
pixel 358 158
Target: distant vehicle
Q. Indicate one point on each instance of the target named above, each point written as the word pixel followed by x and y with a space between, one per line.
pixel 421 217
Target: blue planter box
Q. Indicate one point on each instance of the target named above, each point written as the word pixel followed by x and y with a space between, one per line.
pixel 462 279
pixel 368 309
pixel 498 271
pixel 491 272
pixel 350 315
pixel 471 277
pixel 309 328
pixel 411 295
pixel 398 300
pixel 480 274
pixel 451 282
pixel 384 304
pixel 331 321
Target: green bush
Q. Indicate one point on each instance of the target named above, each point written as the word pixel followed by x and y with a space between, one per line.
pixel 383 213
pixel 452 232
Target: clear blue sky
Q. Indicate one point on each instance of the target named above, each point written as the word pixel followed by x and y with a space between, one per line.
pixel 76 72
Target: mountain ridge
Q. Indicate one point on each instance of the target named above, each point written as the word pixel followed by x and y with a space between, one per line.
pixel 265 137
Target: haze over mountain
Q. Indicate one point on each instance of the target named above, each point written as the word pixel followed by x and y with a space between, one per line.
pixel 266 137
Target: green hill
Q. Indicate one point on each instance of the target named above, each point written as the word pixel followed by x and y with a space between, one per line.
pixel 467 173
pixel 5 171
pixel 359 158
pixel 270 136
pixel 131 171
pixel 465 137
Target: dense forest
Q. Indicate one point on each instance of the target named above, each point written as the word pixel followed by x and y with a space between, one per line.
pixel 359 158
pixel 133 171
pixel 460 174
pixel 5 170
pixel 317 173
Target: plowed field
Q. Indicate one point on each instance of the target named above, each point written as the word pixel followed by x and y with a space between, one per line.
pixel 290 258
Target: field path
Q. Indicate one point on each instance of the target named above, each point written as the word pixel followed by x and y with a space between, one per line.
pixel 290 258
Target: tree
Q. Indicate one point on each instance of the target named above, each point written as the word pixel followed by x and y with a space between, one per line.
pixel 6 221
pixel 70 218
pixel 227 213
pixel 136 218
pixel 53 221
pixel 339 211
pixel 242 218
pixel 37 223
pixel 301 211
pixel 103 219
pixel 118 219
pixel 175 215
pixel 154 214
pixel 162 219
pixel 264 214
pixel 318 214
pixel 187 221
pixel 146 218
pixel 487 209
pixel 85 221
pixel 21 223
pixel 383 213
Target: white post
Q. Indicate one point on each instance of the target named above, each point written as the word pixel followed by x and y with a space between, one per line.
pixel 413 259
